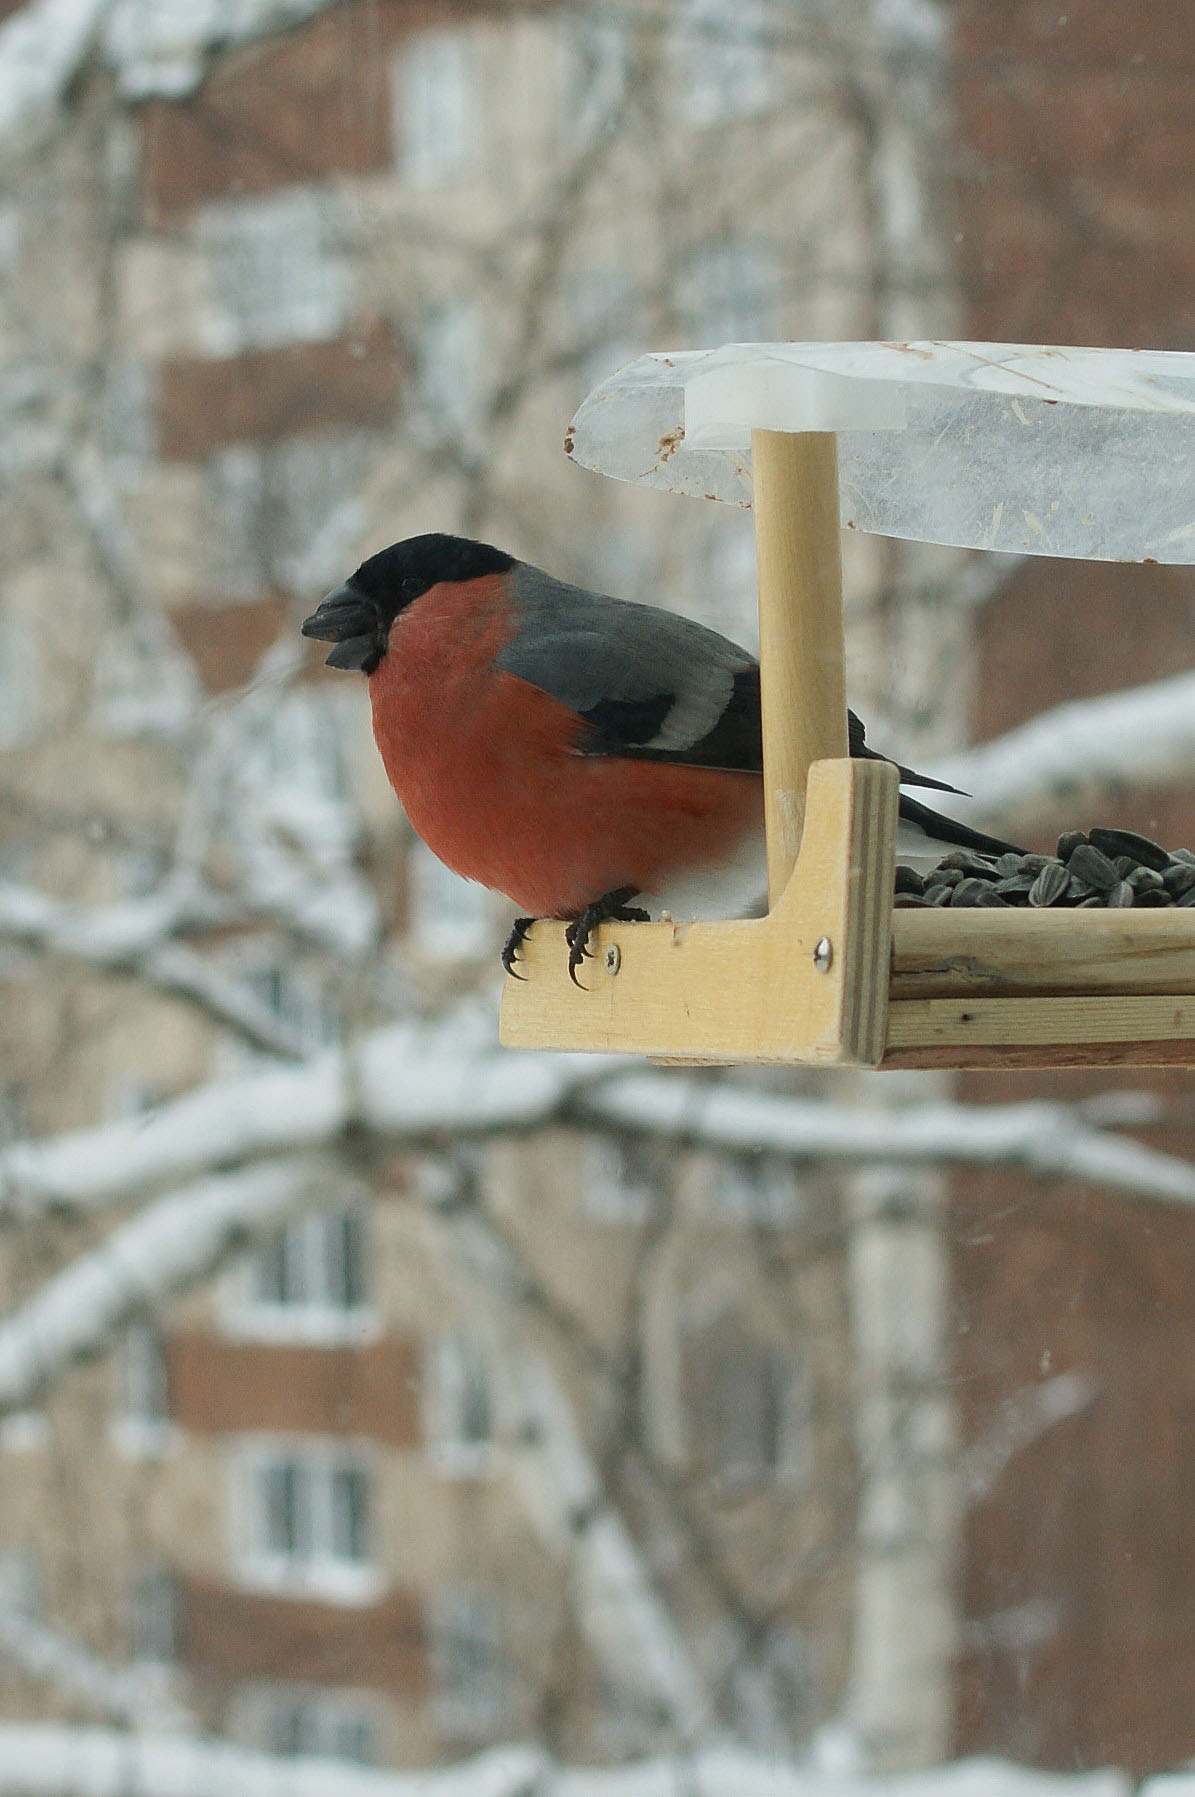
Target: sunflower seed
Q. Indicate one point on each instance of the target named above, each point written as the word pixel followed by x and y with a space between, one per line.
pixel 1183 855
pixel 1127 842
pixel 1093 867
pixel 1068 842
pixel 974 892
pixel 1121 896
pixel 938 894
pixel 909 880
pixel 1144 879
pixel 1050 884
pixel 1178 878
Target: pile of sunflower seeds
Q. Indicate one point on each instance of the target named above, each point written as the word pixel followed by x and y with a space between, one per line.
pixel 1096 867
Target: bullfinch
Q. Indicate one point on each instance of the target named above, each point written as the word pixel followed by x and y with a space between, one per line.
pixel 571 751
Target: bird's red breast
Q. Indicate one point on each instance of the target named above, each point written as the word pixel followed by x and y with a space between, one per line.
pixel 488 769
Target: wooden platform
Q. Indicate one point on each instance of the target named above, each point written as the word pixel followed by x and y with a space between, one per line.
pixel 926 987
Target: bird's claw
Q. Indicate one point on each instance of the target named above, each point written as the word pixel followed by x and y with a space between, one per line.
pixel 612 907
pixel 514 942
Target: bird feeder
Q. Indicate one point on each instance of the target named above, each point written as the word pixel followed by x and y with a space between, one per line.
pixel 1084 453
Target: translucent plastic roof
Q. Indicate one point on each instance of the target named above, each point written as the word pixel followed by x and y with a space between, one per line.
pixel 1023 448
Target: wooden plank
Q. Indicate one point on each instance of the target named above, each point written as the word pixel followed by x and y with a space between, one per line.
pixel 746 990
pixel 1013 1056
pixel 798 554
pixel 963 1022
pixel 940 953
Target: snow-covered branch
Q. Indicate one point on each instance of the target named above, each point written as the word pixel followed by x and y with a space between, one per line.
pixel 1023 1417
pixel 1143 736
pixel 134 938
pixel 409 1083
pixel 131 1694
pixel 412 1084
pixel 1051 1140
pixel 152 46
pixel 41 48
pixel 170 1244
pixel 49 1760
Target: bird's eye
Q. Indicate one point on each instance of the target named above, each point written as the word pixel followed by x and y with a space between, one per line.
pixel 409 586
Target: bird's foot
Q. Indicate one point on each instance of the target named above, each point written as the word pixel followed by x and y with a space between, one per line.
pixel 612 907
pixel 514 942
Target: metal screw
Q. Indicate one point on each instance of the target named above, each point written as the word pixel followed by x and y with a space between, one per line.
pixel 823 954
pixel 613 958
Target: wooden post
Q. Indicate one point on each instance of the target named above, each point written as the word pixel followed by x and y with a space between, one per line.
pixel 799 569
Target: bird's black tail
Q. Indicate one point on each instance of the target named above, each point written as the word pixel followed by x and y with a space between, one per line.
pixel 947 829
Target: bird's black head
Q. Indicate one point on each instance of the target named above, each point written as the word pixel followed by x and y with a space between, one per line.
pixel 357 616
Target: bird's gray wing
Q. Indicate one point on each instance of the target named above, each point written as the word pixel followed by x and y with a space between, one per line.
pixel 648 684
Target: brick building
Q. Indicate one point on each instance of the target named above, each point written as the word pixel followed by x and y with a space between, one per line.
pixel 1074 217
pixel 281 301
pixel 301 294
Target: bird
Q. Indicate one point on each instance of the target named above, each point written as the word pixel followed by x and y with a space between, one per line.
pixel 569 750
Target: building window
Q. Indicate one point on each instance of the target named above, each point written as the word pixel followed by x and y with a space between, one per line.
pixel 285 517
pixel 20 680
pixel 296 759
pixel 312 513
pixel 748 1408
pixel 726 294
pixel 21 1581
pixel 596 55
pixel 141 1425
pixel 308 1281
pixel 754 1190
pixel 153 1615
pixel 25 1431
pixel 771 1691
pixel 436 106
pixel 306 1520
pixel 127 422
pixel 619 1179
pixel 459 1404
pixel 144 685
pixel 448 373
pixel 10 238
pixel 720 60
pixel 302 1721
pixel 600 320
pixel 467 1664
pixel 293 999
pixel 450 918
pixel 278 272
pixel 728 600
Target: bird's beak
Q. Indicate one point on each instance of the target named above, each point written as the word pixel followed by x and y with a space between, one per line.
pixel 350 620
